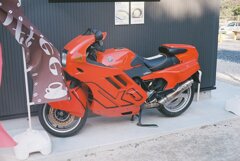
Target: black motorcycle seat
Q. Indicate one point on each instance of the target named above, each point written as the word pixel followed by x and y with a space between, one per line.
pixel 171 51
pixel 160 62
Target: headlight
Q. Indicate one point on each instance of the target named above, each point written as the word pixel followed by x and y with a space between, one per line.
pixel 64 57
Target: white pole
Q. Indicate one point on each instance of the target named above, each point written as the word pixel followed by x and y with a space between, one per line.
pixel 27 90
pixel 199 84
pixel 31 140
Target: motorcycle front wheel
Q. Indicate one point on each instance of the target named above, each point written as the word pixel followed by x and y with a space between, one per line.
pixel 178 105
pixel 60 123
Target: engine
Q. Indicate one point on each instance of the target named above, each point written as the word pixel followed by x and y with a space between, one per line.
pixel 154 88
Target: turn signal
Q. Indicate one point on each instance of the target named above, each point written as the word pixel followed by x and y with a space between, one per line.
pixel 78 58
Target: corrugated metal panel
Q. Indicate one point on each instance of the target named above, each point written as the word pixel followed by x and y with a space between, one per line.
pixel 168 21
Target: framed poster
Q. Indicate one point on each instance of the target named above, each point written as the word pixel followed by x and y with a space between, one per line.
pixel 121 13
pixel 137 12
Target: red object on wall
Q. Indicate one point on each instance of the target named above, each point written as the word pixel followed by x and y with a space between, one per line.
pixel 5 139
pixel 0 64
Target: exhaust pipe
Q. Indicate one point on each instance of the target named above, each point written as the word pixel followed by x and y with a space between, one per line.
pixel 170 96
pixel 179 90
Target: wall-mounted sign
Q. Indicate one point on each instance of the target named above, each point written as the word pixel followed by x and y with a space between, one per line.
pixel 137 12
pixel 43 59
pixel 121 13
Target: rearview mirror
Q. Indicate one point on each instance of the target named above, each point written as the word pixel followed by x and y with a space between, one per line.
pixel 98 35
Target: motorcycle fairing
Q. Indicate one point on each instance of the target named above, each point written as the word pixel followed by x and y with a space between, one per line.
pixel 114 92
pixel 180 72
pixel 76 104
pixel 175 74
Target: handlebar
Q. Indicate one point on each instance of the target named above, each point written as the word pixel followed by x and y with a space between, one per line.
pixel 99 46
pixel 98 34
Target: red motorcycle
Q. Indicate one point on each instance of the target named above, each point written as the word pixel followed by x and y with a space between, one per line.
pixel 117 82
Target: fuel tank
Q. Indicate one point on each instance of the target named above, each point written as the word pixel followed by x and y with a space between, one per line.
pixel 116 57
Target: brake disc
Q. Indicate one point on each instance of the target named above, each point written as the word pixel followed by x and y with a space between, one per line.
pixel 56 121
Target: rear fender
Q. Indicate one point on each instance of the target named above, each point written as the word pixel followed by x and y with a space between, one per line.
pixel 175 74
pixel 77 103
pixel 196 78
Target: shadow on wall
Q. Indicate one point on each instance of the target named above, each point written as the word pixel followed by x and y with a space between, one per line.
pixel 180 9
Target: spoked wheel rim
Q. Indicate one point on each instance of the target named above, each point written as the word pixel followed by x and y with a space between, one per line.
pixel 180 102
pixel 59 120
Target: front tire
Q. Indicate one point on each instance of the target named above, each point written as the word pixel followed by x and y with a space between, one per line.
pixel 179 105
pixel 60 123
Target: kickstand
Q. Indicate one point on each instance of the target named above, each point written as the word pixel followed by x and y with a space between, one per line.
pixel 132 118
pixel 140 120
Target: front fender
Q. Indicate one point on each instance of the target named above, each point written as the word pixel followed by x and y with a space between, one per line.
pixel 77 103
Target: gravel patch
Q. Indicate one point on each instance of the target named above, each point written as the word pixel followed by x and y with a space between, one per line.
pixel 218 142
pixel 228 62
pixel 229 50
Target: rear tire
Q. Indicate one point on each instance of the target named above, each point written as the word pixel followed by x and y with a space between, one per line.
pixel 182 104
pixel 60 123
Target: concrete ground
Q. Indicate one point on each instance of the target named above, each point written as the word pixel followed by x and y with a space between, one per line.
pixel 228 62
pixel 191 136
pixel 216 142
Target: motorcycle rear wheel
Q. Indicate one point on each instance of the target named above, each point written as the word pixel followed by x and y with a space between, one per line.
pixel 179 105
pixel 60 123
